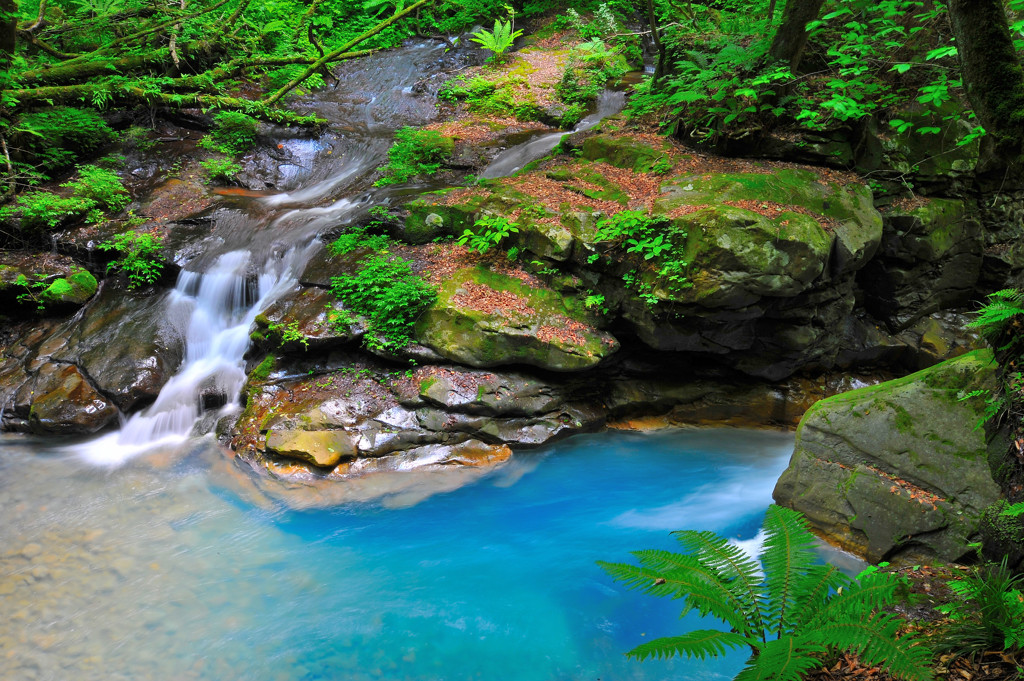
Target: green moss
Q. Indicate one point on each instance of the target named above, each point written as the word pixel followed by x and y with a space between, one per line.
pixel 263 370
pixel 426 383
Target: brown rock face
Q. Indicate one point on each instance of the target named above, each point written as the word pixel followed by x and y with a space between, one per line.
pixel 64 402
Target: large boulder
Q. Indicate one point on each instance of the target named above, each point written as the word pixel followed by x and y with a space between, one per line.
pixel 898 470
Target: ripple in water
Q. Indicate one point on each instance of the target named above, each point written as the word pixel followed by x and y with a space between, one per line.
pixel 172 569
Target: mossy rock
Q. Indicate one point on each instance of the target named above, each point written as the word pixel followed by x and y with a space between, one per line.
pixel 75 289
pixel 485 319
pixel 624 151
pixel 932 157
pixel 930 259
pixel 898 470
pixel 737 256
pixel 848 210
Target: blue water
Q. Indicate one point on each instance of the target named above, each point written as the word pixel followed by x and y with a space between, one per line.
pixel 168 571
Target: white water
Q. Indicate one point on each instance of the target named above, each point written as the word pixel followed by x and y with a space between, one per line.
pixel 214 311
pixel 514 158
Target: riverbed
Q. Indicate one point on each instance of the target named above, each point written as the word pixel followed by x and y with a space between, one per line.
pixel 171 567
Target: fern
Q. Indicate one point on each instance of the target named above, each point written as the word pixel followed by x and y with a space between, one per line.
pixel 1003 306
pixel 498 40
pixel 787 609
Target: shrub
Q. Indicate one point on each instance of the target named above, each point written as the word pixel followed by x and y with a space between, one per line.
pixel 54 138
pixel 785 608
pixel 46 210
pixel 101 186
pixel 220 168
pixel 139 259
pixel 233 133
pixel 415 152
pixel 987 613
pixel 488 231
pixel 386 291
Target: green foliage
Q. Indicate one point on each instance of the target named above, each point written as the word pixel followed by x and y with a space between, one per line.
pixel 653 239
pixel 589 68
pixel 415 152
pixel 290 333
pixel 488 231
pixel 498 40
pixel 1003 308
pixel 95 189
pixel 55 137
pixel 389 294
pixel 786 608
pixel 233 133
pixel 497 97
pixel 140 258
pixel 357 238
pixel 987 612
pixel 872 59
pixel 46 210
pixel 101 186
pixel 220 168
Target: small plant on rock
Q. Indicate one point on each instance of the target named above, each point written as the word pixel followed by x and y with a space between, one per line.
pixel 785 607
pixel 139 257
pixel 488 231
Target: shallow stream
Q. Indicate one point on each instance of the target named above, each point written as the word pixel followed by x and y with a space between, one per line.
pixel 169 569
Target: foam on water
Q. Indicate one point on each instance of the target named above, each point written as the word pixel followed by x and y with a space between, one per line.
pixel 215 309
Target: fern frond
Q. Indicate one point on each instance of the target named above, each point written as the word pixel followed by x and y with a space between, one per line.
pixel 738 572
pixel 814 591
pixel 785 659
pixel 787 556
pixel 875 641
pixel 699 644
pixel 857 600
pixel 1002 306
pixel 682 577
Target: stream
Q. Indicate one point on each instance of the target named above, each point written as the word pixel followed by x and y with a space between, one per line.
pixel 147 554
pixel 179 569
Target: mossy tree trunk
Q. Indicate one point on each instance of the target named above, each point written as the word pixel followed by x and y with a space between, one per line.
pixel 994 80
pixel 791 38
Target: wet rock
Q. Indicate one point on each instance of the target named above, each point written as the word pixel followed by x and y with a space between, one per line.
pixel 306 319
pixel 324 448
pixel 125 343
pixel 624 152
pixel 897 470
pixel 930 259
pixel 485 319
pixel 61 400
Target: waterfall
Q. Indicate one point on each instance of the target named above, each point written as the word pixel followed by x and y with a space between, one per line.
pixel 214 311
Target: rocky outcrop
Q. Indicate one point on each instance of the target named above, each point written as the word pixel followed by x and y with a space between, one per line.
pixel 929 259
pixel 114 356
pixel 898 470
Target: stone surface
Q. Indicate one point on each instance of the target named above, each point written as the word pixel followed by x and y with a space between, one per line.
pixel 897 470
pixel 485 319
pixel 60 400
pixel 929 259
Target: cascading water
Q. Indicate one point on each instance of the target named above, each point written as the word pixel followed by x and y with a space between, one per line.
pixel 214 311
pixel 214 304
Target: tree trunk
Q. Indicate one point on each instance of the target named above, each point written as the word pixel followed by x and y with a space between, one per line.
pixel 993 78
pixel 8 31
pixel 791 38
